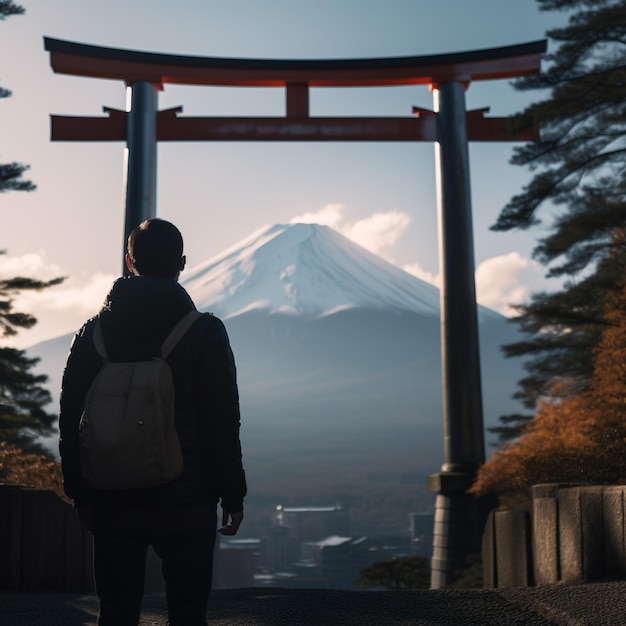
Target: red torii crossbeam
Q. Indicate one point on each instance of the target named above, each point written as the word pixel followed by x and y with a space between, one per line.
pixel 171 127
pixel 459 519
pixel 296 77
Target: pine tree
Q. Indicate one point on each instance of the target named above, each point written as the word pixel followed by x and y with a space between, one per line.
pixel 11 173
pixel 22 397
pixel 8 7
pixel 580 173
pixel 576 436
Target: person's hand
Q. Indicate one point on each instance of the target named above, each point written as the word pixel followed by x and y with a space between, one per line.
pixel 235 522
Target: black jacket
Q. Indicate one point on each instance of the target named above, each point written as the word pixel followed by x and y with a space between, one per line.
pixel 137 316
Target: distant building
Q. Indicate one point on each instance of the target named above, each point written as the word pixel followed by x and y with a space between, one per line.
pixel 311 547
pixel 278 549
pixel 309 575
pixel 336 562
pixel 234 563
pixel 342 558
pixel 313 523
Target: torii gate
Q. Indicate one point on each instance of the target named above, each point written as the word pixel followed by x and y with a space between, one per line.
pixel 458 517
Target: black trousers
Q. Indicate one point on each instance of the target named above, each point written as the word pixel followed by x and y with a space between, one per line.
pixel 184 539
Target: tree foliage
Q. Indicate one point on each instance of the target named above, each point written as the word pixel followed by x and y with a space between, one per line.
pixel 8 7
pixel 11 320
pixel 577 436
pixel 22 397
pixel 579 181
pixel 30 469
pixel 410 572
pixel 11 173
pixel 11 178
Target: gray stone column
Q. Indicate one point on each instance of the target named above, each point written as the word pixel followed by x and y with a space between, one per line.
pixel 458 520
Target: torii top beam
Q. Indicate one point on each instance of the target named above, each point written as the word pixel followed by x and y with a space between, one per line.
pixel 78 59
pixel 296 77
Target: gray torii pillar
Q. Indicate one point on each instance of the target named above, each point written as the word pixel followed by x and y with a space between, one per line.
pixel 458 520
pixel 141 157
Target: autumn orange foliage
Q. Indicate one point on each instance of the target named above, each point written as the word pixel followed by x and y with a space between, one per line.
pixel 579 437
pixel 29 469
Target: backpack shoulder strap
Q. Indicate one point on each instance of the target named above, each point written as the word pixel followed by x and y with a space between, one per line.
pixel 98 341
pixel 178 331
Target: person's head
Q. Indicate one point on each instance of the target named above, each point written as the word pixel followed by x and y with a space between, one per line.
pixel 155 248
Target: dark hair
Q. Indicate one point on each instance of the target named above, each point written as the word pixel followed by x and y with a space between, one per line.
pixel 156 248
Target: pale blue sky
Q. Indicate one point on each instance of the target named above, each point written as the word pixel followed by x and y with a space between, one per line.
pixel 218 193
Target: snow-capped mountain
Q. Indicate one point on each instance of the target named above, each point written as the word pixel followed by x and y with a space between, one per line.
pixel 339 365
pixel 304 269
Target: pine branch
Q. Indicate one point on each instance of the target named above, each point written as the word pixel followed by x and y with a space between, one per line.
pixel 10 178
pixel 8 8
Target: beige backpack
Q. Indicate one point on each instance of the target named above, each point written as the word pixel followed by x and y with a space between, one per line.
pixel 127 434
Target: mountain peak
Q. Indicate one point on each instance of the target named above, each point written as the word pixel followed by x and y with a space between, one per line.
pixel 304 269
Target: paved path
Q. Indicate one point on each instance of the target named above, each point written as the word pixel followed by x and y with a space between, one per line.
pixel 601 604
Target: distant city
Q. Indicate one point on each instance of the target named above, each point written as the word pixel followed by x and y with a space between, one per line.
pixel 314 547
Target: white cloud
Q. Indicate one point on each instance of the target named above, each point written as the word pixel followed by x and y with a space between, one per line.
pixel 331 215
pixel 60 309
pixel 417 270
pixel 377 233
pixel 32 265
pixel 79 296
pixel 499 281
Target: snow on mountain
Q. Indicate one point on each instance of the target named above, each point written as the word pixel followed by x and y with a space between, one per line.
pixel 304 269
